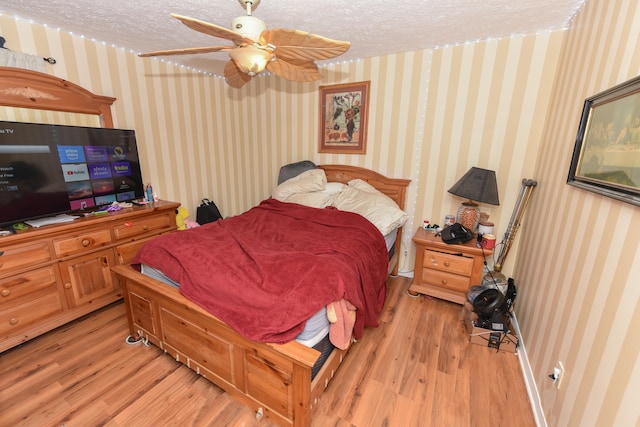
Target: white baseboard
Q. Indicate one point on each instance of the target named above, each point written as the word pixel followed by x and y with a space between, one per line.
pixel 530 384
pixel 408 274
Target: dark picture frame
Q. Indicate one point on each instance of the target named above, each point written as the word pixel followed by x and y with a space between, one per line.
pixel 343 118
pixel 606 155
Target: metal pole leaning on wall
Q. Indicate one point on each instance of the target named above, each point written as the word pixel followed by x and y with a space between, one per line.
pixel 516 219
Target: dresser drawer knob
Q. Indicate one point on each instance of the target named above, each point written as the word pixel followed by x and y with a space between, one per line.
pixel 447 264
pixel 13 321
pixel 145 228
pixel 86 242
pixel 5 292
pixel 434 261
pixel 444 281
pixel 67 285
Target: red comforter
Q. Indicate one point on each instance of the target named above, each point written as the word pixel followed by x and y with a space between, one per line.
pixel 265 272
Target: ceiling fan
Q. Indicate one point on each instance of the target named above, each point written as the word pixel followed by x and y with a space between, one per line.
pixel 286 53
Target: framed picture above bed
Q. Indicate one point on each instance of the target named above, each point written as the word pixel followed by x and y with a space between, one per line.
pixel 606 155
pixel 343 110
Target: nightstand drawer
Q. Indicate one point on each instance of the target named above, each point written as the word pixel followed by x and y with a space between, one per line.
pixel 445 271
pixel 445 280
pixel 455 264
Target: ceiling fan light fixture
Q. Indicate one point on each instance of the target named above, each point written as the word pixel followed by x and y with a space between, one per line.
pixel 251 59
pixel 254 48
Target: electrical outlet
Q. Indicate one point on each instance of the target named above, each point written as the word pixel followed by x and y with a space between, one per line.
pixel 558 372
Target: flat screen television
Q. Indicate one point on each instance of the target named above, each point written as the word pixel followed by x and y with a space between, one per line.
pixel 51 169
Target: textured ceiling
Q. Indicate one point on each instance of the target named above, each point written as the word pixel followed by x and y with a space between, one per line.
pixel 374 27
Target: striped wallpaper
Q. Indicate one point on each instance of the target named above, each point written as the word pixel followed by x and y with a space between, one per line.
pixel 579 263
pixel 198 137
pixel 510 105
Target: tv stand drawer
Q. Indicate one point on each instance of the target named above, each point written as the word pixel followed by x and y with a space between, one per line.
pixel 145 225
pixel 17 257
pixel 82 242
pixel 27 286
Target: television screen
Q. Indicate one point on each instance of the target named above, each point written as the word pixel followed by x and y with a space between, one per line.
pixel 50 169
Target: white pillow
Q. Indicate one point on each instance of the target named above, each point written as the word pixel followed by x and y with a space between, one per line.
pixel 316 199
pixel 363 185
pixel 333 188
pixel 306 182
pixel 378 208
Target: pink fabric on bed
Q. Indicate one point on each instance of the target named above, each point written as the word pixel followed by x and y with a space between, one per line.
pixel 342 315
pixel 267 271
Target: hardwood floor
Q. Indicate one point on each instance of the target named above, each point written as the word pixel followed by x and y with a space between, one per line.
pixel 416 369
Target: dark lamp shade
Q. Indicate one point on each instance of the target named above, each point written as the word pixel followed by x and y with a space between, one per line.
pixel 479 185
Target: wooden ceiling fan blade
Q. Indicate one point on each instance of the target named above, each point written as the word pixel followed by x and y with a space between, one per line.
pixel 298 71
pixel 213 30
pixel 299 45
pixel 234 77
pixel 187 51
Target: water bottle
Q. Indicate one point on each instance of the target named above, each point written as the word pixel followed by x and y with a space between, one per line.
pixel 149 191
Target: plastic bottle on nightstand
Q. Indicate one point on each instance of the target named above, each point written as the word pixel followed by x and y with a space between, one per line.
pixel 149 193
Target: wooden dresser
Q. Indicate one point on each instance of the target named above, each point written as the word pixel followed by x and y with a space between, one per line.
pixel 57 273
pixel 446 271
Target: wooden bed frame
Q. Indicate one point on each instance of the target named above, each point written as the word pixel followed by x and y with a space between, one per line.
pixel 273 379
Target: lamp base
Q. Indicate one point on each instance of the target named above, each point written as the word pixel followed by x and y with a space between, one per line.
pixel 468 215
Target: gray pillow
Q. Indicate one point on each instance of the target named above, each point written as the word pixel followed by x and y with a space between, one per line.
pixel 294 169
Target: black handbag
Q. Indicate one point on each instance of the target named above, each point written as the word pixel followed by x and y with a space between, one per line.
pixel 456 233
pixel 207 212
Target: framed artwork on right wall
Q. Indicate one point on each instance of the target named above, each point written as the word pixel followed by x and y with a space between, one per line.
pixel 606 155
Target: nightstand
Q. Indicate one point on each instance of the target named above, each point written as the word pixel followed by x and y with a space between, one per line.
pixel 446 271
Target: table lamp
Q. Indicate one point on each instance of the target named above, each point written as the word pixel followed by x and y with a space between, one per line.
pixel 477 185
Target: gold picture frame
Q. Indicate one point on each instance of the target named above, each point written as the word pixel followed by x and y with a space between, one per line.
pixel 343 118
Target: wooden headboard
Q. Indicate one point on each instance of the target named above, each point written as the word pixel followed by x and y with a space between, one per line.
pixel 31 89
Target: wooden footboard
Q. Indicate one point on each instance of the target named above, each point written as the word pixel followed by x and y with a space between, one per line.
pixel 273 379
